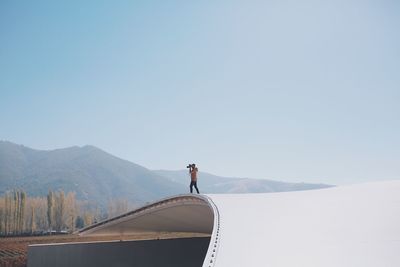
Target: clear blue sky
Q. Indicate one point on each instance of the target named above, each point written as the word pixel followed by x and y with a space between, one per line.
pixel 287 90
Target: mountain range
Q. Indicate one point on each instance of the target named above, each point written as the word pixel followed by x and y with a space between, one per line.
pixel 98 176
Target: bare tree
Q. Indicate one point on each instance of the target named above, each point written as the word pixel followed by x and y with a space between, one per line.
pixel 59 211
pixel 39 204
pixel 20 213
pixel 50 208
pixel 15 211
pixel 88 218
pixel 21 210
pixel 71 210
pixel 117 207
pixel 1 216
pixel 6 213
pixel 33 222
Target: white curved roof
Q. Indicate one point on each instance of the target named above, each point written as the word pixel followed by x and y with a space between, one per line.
pixel 342 226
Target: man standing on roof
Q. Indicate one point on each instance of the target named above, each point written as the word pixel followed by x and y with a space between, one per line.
pixel 193 177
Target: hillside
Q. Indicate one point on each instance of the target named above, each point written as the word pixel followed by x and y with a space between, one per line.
pixel 92 173
pixel 98 176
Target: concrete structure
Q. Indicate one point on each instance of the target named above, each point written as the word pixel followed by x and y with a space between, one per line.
pixel 347 226
pixel 180 252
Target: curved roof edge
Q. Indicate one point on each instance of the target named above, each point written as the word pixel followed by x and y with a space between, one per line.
pixel 212 252
pixel 181 213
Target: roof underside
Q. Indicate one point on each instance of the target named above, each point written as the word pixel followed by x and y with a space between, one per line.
pixel 184 213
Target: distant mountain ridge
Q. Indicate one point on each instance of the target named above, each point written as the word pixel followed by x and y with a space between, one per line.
pixel 98 176
pixel 92 173
pixel 213 184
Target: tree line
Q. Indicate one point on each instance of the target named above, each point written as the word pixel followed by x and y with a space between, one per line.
pixel 56 212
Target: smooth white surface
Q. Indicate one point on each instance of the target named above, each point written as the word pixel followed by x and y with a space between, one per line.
pixel 343 226
pixel 347 226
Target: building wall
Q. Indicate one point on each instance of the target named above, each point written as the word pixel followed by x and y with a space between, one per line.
pixel 146 253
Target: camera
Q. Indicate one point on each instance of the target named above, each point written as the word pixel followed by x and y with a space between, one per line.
pixel 191 166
